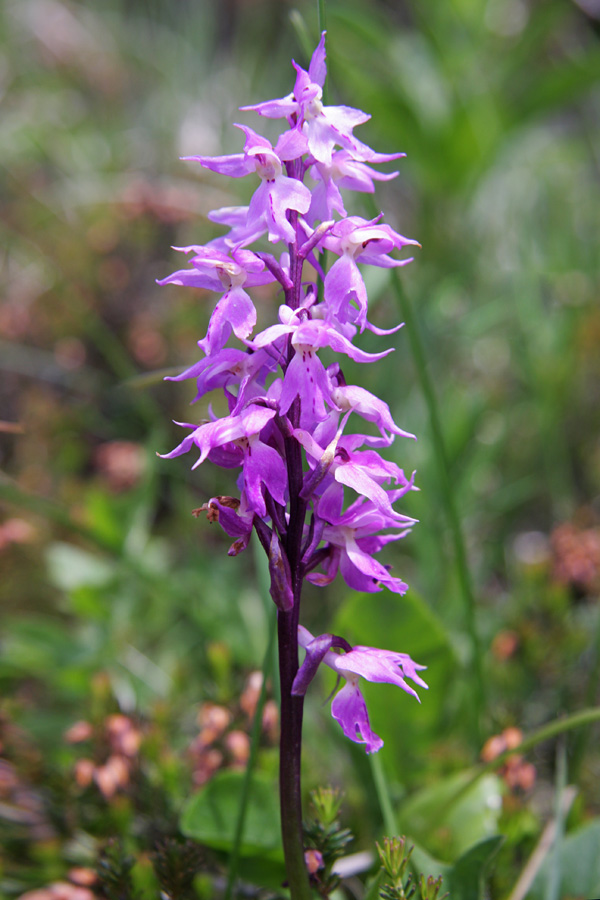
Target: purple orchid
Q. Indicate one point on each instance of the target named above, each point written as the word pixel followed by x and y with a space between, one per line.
pixel 321 126
pixel 240 436
pixel 277 192
pixel 240 233
pixel 214 270
pixel 363 471
pixel 289 411
pixel 352 538
pixel 233 520
pixel 358 400
pixel 355 238
pixel 345 172
pixel 348 706
pixel 246 370
pixel 305 375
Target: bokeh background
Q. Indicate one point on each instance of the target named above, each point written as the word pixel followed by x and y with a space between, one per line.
pixel 132 646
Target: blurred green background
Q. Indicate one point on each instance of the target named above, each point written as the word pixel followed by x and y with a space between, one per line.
pixel 115 601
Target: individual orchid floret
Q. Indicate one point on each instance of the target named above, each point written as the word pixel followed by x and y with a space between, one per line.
pixel 234 522
pixel 363 471
pixel 355 238
pixel 238 436
pixel 358 400
pixel 351 540
pixel 323 127
pixel 345 172
pixel 240 233
pixel 246 370
pixel 306 376
pixel 290 107
pixel 214 270
pixel 277 192
pixel 348 706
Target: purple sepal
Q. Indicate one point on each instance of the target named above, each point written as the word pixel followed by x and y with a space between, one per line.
pixel 315 653
pixel 316 650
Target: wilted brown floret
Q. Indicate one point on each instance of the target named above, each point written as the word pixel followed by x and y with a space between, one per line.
pixel 251 693
pixel 121 464
pixel 576 557
pixel 238 745
pixel 80 731
pixel 313 860
pixel 516 772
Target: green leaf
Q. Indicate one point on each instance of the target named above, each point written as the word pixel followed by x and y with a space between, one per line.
pixel 579 864
pixel 423 863
pixel 449 829
pixel 466 879
pixel 374 886
pixel 210 816
pixel 70 567
pixel 40 646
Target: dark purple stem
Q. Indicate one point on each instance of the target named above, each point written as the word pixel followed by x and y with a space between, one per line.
pixel 290 745
pixel 292 707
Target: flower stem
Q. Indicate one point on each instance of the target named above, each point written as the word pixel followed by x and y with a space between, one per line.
pixel 290 744
pixel 290 747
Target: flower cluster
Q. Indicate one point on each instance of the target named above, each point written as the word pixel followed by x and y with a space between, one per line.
pixel 320 497
pixel 116 743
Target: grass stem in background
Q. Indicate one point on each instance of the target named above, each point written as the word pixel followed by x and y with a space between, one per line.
pixel 383 795
pixel 234 859
pixel 553 729
pixel 555 870
pixel 448 498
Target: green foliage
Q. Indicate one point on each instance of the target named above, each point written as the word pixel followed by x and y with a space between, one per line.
pixel 211 814
pixel 394 862
pixel 115 869
pixel 324 835
pixel 578 865
pixel 400 885
pixel 176 864
pixel 468 877
pixel 448 827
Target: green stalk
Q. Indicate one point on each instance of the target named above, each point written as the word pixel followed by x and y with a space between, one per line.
pixel 234 859
pixel 555 872
pixel 448 496
pixel 321 14
pixel 383 795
